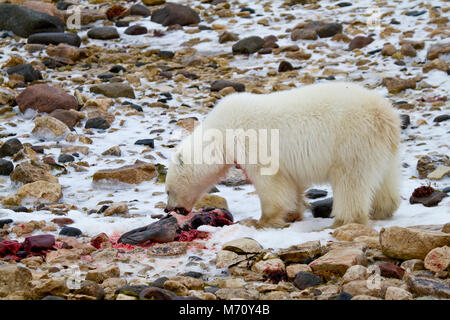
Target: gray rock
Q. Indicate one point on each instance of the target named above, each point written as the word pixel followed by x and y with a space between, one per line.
pixel 424 286
pixel 220 84
pixel 55 38
pixel 248 45
pixel 103 33
pixel 322 208
pixel 26 71
pixel 305 280
pixel 6 167
pixel 172 14
pixel 114 90
pixel 24 22
pixel 10 147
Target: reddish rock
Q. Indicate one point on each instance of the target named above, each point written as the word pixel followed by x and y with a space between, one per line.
pixel 62 221
pixel 69 118
pixel 44 98
pixel 359 42
pixel 100 241
pixel 438 259
pixel 390 270
pixel 39 243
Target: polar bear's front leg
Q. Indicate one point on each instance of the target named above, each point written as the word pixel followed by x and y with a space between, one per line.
pixel 278 197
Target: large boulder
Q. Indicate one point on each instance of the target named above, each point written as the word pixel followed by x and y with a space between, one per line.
pixel 411 243
pixel 44 98
pixel 172 14
pixel 24 22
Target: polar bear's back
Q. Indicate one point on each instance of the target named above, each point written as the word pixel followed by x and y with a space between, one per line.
pixel 320 125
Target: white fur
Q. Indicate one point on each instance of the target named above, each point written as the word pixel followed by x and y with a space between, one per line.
pixel 337 133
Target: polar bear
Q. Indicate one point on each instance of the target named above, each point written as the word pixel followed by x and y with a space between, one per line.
pixel 338 133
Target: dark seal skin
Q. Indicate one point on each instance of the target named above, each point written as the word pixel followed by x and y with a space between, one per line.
pixel 170 226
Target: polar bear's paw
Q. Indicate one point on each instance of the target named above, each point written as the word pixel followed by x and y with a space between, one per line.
pixel 258 224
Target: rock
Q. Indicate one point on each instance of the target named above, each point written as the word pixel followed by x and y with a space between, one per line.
pixel 408 50
pixel 394 293
pixel 441 118
pixel 24 22
pixel 411 243
pixel 43 7
pixel 136 30
pixel 362 287
pixel 359 42
pixel 315 193
pixel 396 85
pixel 351 231
pixel 114 90
pixel 10 147
pixel 13 278
pixel 103 33
pixel 389 270
pixel 314 29
pixel 116 208
pixel 285 66
pixel 412 265
pixel 131 174
pixel 211 200
pixel 27 71
pixel 62 256
pixel 226 259
pixel 436 64
pixel 293 269
pixel 53 286
pixel 304 34
pixel 44 98
pixel 424 286
pixel 97 123
pixel 48 127
pixel 235 293
pixel 439 173
pixel 228 36
pixel 25 172
pixel 322 208
pixel 354 273
pixel 337 261
pixel 64 51
pixel 427 196
pixel 426 164
pixel 6 167
pixel 55 38
pixel 101 274
pixel 218 85
pixel 167 249
pixel 388 49
pixel 113 151
pixel 172 14
pixel 242 245
pixel 438 259
pixel 305 280
pixel 269 266
pixel 38 243
pixel 4 222
pixel 446 227
pixel 69 117
pixel 248 45
pixel 154 293
pixel 300 253
pixel 406 121
pixel 146 142
pixel 437 49
pixel 91 289
pixel 70 232
pixel 62 221
pixel 7 96
pixel 235 177
pixel 42 191
pixel 176 287
pixel 139 10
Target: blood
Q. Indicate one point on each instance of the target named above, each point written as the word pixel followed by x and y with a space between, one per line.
pixel 423 191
